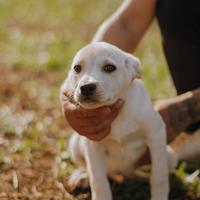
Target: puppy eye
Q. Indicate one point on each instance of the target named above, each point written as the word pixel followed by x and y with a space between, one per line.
pixel 109 68
pixel 77 68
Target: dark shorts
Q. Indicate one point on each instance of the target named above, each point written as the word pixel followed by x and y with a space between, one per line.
pixel 179 22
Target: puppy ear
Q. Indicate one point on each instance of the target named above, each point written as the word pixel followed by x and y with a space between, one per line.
pixel 133 65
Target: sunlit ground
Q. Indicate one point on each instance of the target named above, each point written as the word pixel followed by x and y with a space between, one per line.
pixel 37 42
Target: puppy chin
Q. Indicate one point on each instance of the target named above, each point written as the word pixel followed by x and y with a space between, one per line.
pixel 94 103
pixel 87 103
pixel 108 101
pixel 90 105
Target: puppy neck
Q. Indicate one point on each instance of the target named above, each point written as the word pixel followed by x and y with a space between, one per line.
pixel 125 93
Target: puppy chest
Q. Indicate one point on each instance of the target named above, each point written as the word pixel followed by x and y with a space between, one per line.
pixel 122 128
pixel 126 123
pixel 121 159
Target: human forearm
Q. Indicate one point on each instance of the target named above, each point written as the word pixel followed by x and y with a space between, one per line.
pixel 128 24
pixel 116 33
pixel 180 112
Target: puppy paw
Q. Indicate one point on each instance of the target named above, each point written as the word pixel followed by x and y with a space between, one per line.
pixel 172 159
pixel 78 179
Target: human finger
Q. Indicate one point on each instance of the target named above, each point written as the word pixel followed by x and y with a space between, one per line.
pixel 99 136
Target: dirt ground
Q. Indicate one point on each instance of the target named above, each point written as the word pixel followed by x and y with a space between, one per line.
pixel 34 163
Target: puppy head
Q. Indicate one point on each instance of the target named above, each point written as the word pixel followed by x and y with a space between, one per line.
pixel 100 72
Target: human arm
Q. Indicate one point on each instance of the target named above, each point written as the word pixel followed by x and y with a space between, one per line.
pixel 128 24
pixel 178 114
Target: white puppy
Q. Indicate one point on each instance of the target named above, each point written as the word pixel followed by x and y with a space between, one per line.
pixel 101 74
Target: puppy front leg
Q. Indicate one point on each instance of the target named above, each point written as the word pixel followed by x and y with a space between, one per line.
pixel 96 168
pixel 159 170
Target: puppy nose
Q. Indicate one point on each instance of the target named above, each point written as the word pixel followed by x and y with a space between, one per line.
pixel 88 90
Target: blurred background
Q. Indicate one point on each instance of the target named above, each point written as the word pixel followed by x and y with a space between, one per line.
pixel 38 39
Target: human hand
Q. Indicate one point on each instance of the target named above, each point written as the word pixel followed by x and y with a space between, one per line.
pixel 94 124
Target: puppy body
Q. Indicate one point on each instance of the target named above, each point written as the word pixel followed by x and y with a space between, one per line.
pixel 128 138
pixel 136 127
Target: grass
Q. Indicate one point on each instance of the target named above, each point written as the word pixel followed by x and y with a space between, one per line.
pixel 47 34
pixel 38 40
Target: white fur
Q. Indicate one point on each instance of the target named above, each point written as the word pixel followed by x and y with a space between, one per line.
pixel 137 126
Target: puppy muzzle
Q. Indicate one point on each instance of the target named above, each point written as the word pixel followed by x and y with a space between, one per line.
pixel 88 93
pixel 88 90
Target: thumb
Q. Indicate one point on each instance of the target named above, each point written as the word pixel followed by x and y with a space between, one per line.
pixel 117 106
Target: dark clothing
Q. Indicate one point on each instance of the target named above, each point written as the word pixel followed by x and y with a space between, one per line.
pixel 179 22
